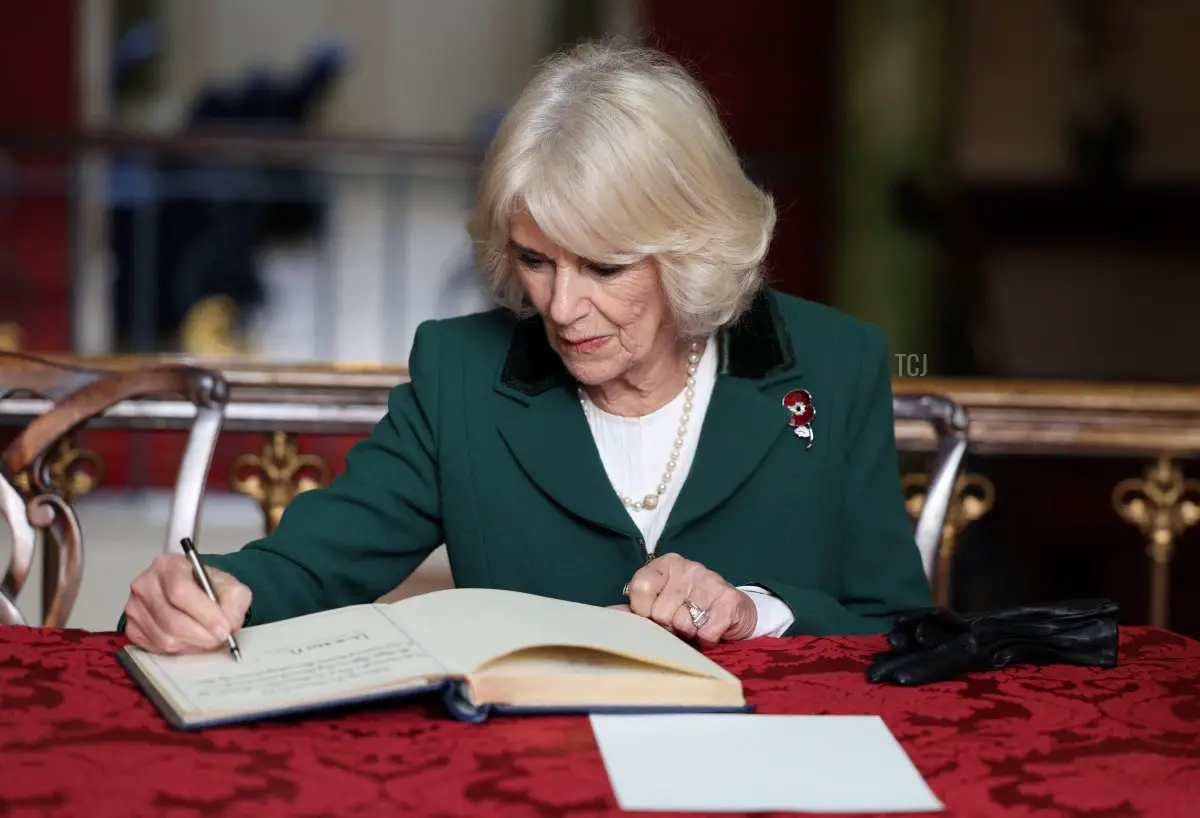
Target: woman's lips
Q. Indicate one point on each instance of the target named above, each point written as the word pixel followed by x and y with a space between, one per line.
pixel 586 344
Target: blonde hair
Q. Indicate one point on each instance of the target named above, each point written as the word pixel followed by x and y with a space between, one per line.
pixel 618 154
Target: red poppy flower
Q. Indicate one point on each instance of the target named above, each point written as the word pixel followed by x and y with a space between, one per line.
pixel 799 403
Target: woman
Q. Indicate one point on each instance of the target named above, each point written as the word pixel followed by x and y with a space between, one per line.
pixel 643 423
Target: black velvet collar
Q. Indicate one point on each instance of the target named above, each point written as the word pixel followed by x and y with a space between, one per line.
pixel 756 347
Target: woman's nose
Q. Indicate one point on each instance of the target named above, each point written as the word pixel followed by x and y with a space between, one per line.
pixel 568 301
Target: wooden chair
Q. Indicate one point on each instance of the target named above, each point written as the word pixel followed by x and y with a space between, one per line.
pixel 949 421
pixel 32 500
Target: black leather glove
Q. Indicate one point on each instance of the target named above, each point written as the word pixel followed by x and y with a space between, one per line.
pixel 934 644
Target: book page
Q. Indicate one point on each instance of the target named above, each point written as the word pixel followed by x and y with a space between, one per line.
pixel 558 661
pixel 467 627
pixel 311 658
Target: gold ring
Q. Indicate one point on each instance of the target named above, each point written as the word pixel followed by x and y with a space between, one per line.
pixel 698 614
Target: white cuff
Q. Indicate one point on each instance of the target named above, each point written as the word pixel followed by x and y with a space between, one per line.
pixel 774 615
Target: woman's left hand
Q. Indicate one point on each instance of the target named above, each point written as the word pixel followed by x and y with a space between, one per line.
pixel 661 590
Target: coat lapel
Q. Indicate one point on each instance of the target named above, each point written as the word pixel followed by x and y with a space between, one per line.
pixel 740 427
pixel 551 440
pixel 549 437
pixel 744 418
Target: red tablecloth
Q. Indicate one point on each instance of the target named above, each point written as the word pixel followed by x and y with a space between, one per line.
pixel 77 738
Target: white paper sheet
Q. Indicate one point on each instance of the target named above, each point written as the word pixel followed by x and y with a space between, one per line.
pixel 750 763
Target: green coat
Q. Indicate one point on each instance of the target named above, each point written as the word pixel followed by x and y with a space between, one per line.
pixel 487 449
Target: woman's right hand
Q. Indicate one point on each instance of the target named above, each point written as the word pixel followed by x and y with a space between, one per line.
pixel 168 611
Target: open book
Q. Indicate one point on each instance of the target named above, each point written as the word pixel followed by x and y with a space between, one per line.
pixel 483 650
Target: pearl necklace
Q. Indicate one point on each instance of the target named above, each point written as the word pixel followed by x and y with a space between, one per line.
pixel 650 501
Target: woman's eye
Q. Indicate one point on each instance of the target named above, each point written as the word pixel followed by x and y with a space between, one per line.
pixel 532 262
pixel 606 269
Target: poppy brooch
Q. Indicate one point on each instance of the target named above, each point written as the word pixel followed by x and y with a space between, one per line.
pixel 798 402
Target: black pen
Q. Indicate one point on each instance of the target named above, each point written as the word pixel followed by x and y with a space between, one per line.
pixel 206 584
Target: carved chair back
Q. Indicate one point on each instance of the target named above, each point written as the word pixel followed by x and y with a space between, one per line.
pixel 949 422
pixel 35 490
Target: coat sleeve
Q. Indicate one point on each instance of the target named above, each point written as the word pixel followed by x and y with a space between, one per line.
pixel 371 527
pixel 880 564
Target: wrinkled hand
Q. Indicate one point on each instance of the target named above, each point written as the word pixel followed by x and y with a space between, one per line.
pixel 658 590
pixel 168 612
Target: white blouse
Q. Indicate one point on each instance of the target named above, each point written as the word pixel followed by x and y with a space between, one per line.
pixel 635 452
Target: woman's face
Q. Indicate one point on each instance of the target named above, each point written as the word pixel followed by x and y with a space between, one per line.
pixel 604 322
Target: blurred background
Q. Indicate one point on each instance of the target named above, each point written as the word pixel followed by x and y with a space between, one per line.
pixel 1009 188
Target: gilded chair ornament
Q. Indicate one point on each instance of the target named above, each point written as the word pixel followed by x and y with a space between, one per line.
pixel 10 337
pixel 1162 504
pixel 72 471
pixel 275 475
pixel 973 497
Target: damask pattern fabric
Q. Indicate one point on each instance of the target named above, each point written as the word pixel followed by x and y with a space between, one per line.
pixel 78 738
